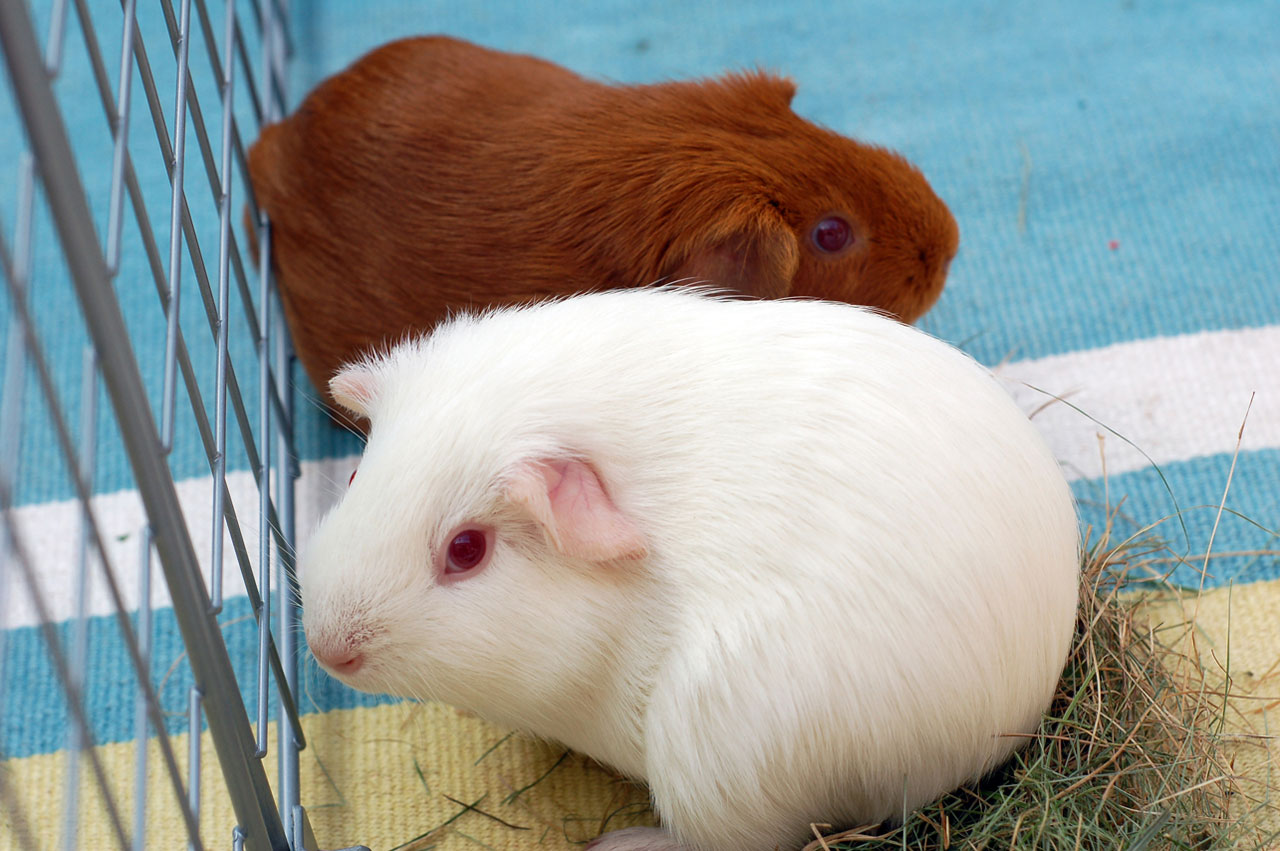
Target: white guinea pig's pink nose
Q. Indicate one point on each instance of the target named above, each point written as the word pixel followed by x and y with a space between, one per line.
pixel 338 656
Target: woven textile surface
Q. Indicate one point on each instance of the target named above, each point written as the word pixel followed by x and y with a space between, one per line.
pixel 1114 166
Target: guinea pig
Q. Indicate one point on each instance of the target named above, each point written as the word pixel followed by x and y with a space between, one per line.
pixel 435 175
pixel 788 561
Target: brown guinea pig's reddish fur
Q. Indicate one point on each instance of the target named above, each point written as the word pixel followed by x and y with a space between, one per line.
pixel 434 175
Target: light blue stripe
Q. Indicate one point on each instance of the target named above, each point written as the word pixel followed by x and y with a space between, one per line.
pixel 35 719
pixel 1193 491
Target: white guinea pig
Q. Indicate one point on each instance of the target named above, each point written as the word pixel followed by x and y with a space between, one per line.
pixel 789 562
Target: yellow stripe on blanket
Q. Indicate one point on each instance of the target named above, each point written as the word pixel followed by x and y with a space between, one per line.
pixel 1237 633
pixel 425 775
pixel 39 786
pixel 422 774
pixel 411 773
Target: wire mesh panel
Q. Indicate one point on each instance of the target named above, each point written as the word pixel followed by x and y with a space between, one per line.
pixel 146 469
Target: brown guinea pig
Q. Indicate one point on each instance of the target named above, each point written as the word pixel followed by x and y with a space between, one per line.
pixel 434 174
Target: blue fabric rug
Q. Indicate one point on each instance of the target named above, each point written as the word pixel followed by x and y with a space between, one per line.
pixel 1114 166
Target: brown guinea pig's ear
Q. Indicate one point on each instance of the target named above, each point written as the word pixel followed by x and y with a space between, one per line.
pixel 760 87
pixel 756 255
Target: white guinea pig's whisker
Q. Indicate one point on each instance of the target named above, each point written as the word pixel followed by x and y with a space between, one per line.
pixel 330 487
pixel 339 417
pixel 311 669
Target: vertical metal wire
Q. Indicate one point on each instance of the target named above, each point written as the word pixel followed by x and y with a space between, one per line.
pixel 264 401
pixel 124 101
pixel 279 37
pixel 80 636
pixel 275 44
pixel 175 231
pixel 193 752
pixel 23 225
pixel 224 304
pixel 140 701
pixel 286 475
pixel 15 369
pixel 15 356
pixel 11 392
pixel 264 485
pixel 174 307
pixel 120 160
pixel 298 828
pixel 26 202
pixel 242 51
pixel 115 229
pixel 57 32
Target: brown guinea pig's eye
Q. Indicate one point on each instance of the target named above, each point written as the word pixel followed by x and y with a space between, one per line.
pixel 832 234
pixel 466 551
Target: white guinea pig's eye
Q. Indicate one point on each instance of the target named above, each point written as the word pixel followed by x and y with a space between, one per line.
pixel 467 551
pixel 352 479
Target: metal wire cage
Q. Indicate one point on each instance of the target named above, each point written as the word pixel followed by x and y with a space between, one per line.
pixel 118 394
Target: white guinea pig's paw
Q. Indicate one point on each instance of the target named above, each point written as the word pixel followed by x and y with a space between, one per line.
pixel 636 839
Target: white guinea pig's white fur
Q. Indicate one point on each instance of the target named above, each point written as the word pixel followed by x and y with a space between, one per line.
pixel 862 562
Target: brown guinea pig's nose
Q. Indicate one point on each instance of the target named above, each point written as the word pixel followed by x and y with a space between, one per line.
pixel 946 266
pixel 936 263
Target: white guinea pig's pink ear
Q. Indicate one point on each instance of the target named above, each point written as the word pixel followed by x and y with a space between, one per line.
pixel 354 388
pixel 567 498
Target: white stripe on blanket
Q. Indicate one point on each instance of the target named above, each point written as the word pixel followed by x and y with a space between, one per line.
pixel 1175 398
pixel 51 537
